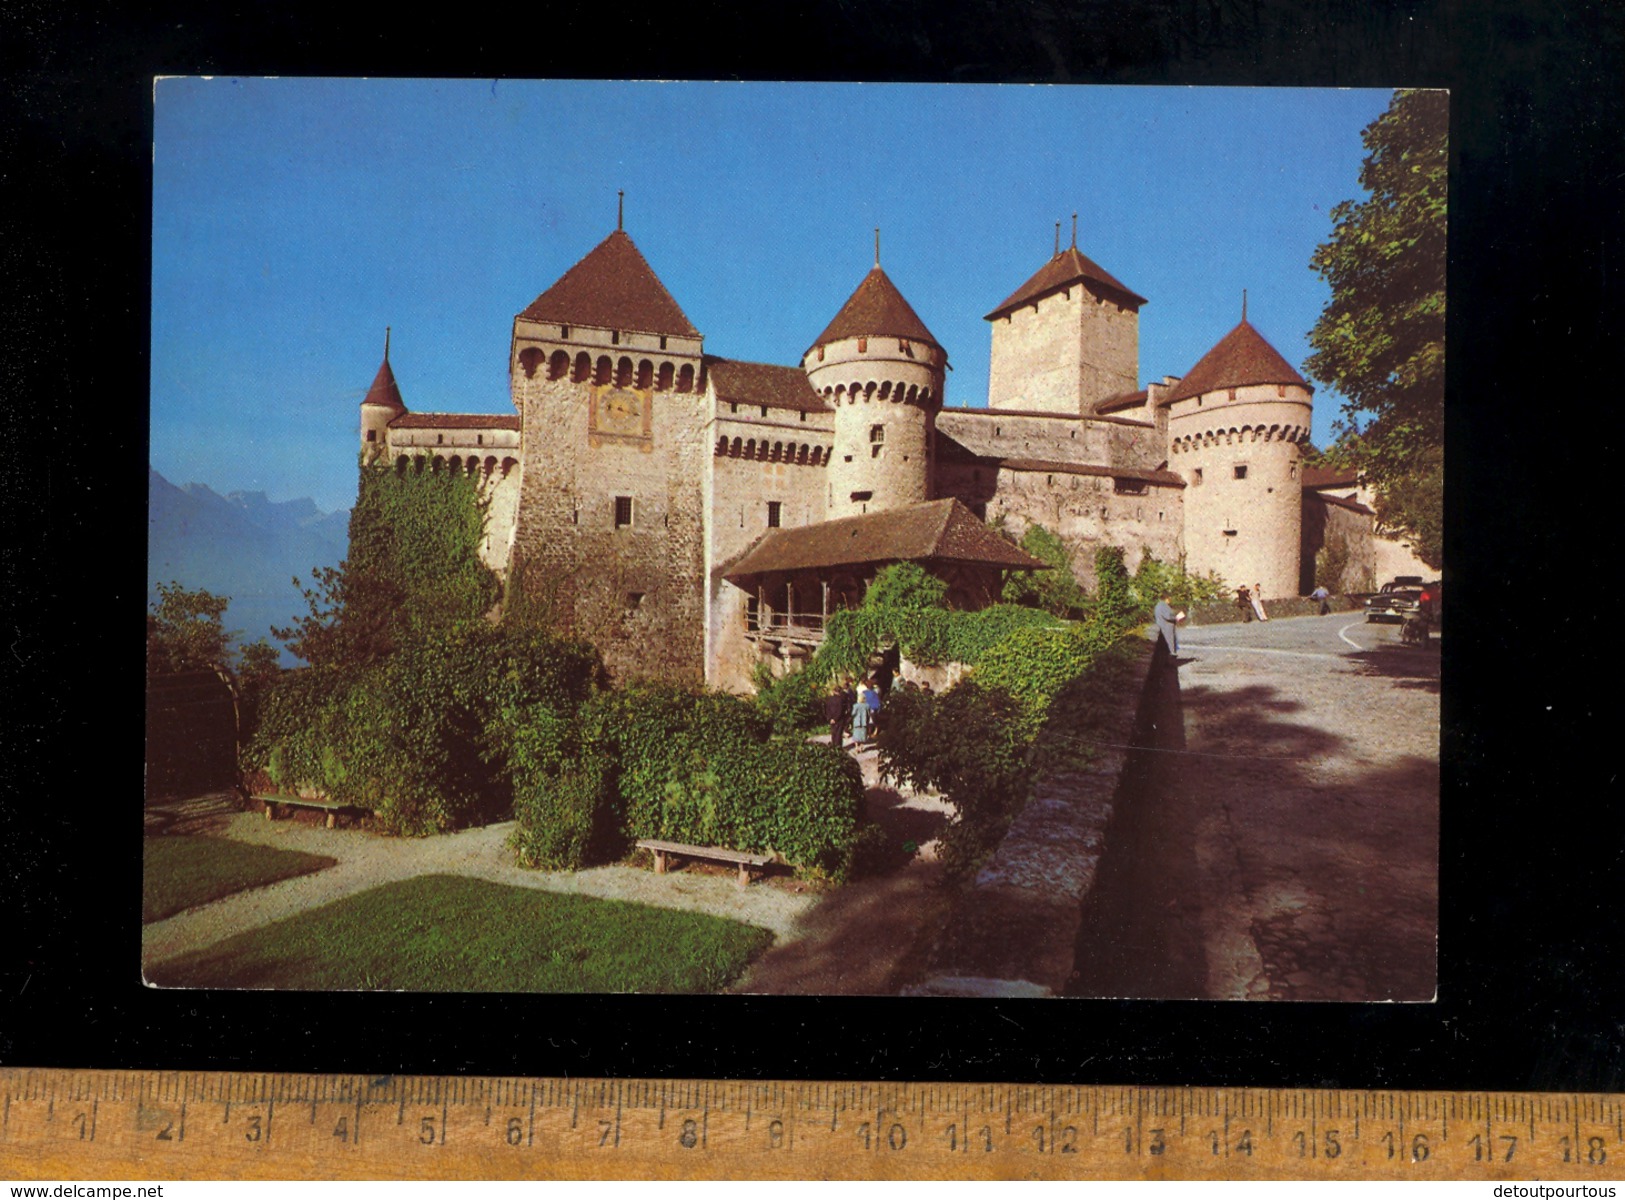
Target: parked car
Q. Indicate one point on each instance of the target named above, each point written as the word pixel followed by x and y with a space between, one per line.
pixel 1403 598
pixel 1394 603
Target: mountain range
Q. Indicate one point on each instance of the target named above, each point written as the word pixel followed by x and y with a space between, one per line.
pixel 243 546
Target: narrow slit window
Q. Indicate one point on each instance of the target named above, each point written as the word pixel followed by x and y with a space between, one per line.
pixel 775 509
pixel 623 512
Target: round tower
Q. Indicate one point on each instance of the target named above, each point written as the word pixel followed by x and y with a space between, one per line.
pixel 381 405
pixel 1236 426
pixel 880 369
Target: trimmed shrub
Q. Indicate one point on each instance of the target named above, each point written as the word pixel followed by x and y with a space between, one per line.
pixel 686 766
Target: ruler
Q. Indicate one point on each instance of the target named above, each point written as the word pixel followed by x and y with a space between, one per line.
pixel 68 1124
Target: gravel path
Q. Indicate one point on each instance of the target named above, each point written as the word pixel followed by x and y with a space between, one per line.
pixel 865 938
pixel 367 860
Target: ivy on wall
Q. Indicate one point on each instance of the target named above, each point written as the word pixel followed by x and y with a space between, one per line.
pixel 413 568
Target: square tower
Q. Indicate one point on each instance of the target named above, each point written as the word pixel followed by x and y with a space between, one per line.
pixel 1066 340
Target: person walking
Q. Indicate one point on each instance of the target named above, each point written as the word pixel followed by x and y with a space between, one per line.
pixel 1258 602
pixel 835 714
pixel 1244 601
pixel 1167 624
pixel 871 700
pixel 1323 597
pixel 860 719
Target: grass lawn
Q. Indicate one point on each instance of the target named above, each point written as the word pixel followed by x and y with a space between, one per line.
pixel 448 933
pixel 183 872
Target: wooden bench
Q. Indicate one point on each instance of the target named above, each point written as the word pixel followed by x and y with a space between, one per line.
pixel 744 858
pixel 331 807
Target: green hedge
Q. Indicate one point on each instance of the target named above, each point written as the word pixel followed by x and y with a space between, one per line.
pixel 423 737
pixel 687 766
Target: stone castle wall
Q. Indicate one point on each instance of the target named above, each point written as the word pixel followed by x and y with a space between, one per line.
pixel 1063 352
pixel 885 398
pixel 1085 511
pixel 1238 451
pixel 770 466
pixel 634 589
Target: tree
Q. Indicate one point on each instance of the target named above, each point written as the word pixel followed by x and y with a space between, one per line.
pixel 906 585
pixel 1380 341
pixel 1055 589
pixel 186 631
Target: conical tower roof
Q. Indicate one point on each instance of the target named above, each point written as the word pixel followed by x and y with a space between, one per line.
pixel 876 309
pixel 384 390
pixel 613 287
pixel 1241 358
pixel 1064 269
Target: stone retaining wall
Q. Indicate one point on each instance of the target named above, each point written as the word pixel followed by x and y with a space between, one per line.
pixel 1014 931
pixel 1225 612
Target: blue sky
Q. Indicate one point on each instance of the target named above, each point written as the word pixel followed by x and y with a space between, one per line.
pixel 293 219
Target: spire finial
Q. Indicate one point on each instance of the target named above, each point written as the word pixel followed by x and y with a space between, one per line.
pixel 620 209
pixel 1057 239
pixel 877 245
pixel 386 343
pixel 1243 304
pixel 1074 231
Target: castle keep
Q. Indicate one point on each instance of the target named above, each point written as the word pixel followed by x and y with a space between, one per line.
pixel 693 515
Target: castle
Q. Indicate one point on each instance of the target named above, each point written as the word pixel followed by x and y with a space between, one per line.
pixel 694 515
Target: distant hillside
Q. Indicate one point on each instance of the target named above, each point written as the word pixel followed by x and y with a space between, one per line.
pixel 240 545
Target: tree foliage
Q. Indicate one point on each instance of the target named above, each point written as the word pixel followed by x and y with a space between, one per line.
pixel 1054 590
pixel 186 630
pixel 1380 341
pixel 907 586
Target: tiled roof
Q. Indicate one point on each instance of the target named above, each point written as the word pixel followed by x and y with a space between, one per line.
pixel 876 309
pixel 763 384
pixel 1319 477
pixel 384 389
pixel 1121 400
pixel 1352 505
pixel 1068 267
pixel 940 530
pixel 1241 358
pixel 428 420
pixel 1165 478
pixel 612 288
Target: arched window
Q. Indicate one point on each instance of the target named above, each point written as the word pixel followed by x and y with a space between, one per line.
pixel 528 358
pixel 508 464
pixel 664 380
pixel 817 455
pixel 583 367
pixel 685 378
pixel 722 447
pixel 490 464
pixel 646 374
pixel 738 448
pixel 885 389
pixel 558 365
pixel 623 373
pixel 750 448
pixel 401 464
pixel 605 368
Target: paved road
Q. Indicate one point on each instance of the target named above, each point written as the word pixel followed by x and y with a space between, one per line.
pixel 1289 849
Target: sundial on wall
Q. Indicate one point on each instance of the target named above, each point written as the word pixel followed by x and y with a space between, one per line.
pixel 620 414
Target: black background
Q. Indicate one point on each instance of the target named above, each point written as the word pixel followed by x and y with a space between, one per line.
pixel 1531 879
